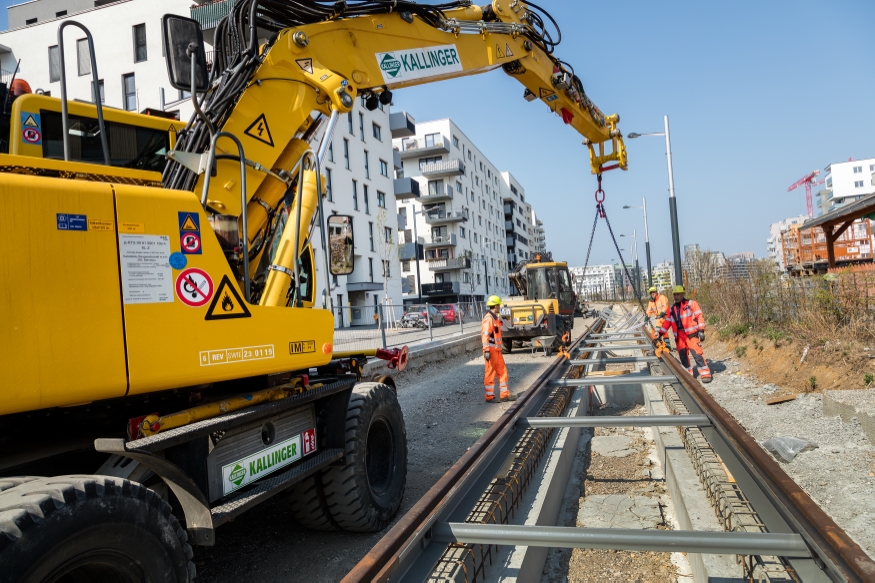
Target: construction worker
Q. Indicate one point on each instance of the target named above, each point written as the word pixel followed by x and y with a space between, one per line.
pixel 685 316
pixel 490 334
pixel 657 307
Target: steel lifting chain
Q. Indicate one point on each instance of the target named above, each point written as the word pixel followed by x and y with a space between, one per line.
pixel 600 213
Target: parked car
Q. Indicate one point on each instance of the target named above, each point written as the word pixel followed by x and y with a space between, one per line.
pixel 450 312
pixel 416 314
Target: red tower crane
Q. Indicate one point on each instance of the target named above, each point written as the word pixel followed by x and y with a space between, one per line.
pixel 808 181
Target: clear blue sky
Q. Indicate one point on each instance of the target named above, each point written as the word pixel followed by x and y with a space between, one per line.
pixel 758 94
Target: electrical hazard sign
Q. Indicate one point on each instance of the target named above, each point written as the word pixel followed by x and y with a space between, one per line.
pixel 194 287
pixel 259 131
pixel 227 304
pixel 548 95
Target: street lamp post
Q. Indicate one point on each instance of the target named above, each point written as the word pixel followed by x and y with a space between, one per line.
pixel 637 269
pixel 672 202
pixel 646 239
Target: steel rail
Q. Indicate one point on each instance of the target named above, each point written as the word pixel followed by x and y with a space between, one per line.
pixel 830 543
pixel 383 559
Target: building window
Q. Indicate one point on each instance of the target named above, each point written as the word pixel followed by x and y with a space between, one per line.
pixel 371 235
pixel 367 166
pixel 346 153
pixel 60 14
pixel 384 168
pixel 381 199
pixel 455 141
pixel 129 90
pixel 387 234
pixel 349 123
pixel 362 126
pixel 139 43
pixel 431 140
pixel 355 195
pixel 100 92
pixel 858 169
pixel 377 131
pixel 462 232
pixel 329 192
pixel 54 64
pixel 83 57
pixel 459 187
pixel 30 21
pixel 367 201
pixel 469 155
pixel 432 160
pixel 371 266
pixel 331 152
pixel 858 184
pixel 435 187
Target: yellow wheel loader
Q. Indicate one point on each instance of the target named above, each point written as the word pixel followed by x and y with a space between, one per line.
pixel 167 361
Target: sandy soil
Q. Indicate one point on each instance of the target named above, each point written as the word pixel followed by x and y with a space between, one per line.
pixel 444 412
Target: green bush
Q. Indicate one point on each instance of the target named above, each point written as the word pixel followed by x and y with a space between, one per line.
pixel 741 350
pixel 724 334
pixel 775 335
pixel 868 378
pixel 713 319
pixel 812 383
pixel 740 330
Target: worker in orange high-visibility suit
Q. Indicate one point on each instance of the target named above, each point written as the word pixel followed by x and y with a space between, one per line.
pixel 490 334
pixel 657 308
pixel 685 316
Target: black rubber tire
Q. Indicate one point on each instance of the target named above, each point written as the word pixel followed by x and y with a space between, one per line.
pixel 90 528
pixel 309 506
pixel 365 490
pixel 506 346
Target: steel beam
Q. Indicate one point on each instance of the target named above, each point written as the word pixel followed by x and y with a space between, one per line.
pixel 688 541
pixel 609 348
pixel 614 360
pixel 617 421
pixel 629 379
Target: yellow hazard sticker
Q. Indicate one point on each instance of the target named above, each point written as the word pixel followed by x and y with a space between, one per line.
pixel 101 225
pixel 124 227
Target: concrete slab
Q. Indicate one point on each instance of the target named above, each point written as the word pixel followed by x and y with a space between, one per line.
pixel 852 403
pixel 619 511
pixel 612 445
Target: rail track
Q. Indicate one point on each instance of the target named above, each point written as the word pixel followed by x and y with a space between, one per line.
pixel 455 530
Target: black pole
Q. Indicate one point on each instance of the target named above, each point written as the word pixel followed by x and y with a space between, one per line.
pixel 676 241
pixel 637 278
pixel 416 256
pixel 486 278
pixel 649 268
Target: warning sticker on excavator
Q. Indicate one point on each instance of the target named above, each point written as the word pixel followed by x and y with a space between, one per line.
pixel 227 304
pixel 507 51
pixel 548 95
pixel 194 287
pixel 306 64
pixel 498 51
pixel 258 130
pixel 189 221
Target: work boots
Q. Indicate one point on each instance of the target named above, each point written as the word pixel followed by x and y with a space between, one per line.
pixel 512 397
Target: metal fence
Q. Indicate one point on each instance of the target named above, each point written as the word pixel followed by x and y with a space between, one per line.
pixel 384 325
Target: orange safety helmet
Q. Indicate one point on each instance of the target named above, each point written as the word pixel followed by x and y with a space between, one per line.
pixel 20 87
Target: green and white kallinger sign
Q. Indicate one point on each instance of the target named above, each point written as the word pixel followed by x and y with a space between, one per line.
pixel 419 63
pixel 254 467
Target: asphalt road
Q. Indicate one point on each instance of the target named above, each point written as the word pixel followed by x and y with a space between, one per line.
pixel 444 412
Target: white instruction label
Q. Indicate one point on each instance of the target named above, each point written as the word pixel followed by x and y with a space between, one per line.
pixel 147 277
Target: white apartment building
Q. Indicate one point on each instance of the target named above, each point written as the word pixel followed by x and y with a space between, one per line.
pixel 846 182
pixel 455 212
pixel 132 74
pixel 540 240
pixel 599 281
pixel 518 222
pixel 663 275
pixel 775 243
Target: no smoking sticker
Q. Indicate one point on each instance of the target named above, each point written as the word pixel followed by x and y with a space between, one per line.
pixel 194 287
pixel 190 243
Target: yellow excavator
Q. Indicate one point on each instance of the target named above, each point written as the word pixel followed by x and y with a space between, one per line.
pixel 167 364
pixel 545 305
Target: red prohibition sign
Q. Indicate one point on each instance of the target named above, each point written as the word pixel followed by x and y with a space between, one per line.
pixel 194 287
pixel 190 242
pixel 31 135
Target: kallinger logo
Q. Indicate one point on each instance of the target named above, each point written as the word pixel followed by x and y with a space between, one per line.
pixel 237 475
pixel 390 64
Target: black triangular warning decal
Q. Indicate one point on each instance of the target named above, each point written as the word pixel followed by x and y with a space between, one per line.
pixel 188 224
pixel 227 303
pixel 260 131
pixel 306 64
pixel 498 52
pixel 507 51
pixel 30 122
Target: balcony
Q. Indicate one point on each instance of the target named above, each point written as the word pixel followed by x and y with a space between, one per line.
pixel 443 168
pixel 424 147
pixel 209 15
pixel 444 218
pixel 508 226
pixel 448 264
pixel 402 125
pixel 441 241
pixel 444 287
pixel 509 242
pixel 443 193
pixel 406 188
pixel 396 160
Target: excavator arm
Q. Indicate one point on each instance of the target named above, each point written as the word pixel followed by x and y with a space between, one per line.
pixel 269 98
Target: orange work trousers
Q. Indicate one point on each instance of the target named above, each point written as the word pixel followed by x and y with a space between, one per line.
pixel 495 367
pixel 692 344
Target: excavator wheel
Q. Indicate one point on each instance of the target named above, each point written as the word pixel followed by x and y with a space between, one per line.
pixel 89 528
pixel 365 491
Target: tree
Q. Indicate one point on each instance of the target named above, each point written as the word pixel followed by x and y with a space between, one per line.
pixel 388 249
pixel 468 273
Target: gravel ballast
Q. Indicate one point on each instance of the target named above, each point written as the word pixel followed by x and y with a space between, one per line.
pixel 839 474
